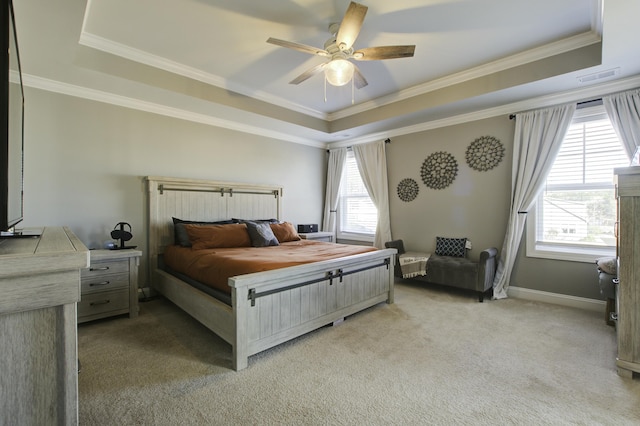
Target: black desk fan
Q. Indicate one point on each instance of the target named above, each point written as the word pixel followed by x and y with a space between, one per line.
pixel 119 233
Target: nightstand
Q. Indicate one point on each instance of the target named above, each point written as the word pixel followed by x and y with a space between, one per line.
pixel 318 236
pixel 110 285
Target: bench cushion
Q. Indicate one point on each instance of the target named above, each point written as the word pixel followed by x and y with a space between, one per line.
pixel 453 271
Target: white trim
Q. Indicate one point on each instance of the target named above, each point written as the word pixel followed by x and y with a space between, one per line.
pixel 540 102
pixel 142 57
pixel 577 95
pixel 561 46
pixel 350 236
pixel 573 253
pixel 123 101
pixel 556 299
pixel 551 49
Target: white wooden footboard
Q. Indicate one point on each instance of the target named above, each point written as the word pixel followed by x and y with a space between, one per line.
pixel 269 307
pixel 276 306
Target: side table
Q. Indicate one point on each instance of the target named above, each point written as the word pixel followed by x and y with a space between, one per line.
pixel 110 285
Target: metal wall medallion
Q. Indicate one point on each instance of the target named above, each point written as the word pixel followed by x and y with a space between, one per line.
pixel 439 170
pixel 484 153
pixel 408 189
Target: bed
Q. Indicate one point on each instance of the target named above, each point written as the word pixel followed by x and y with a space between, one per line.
pixel 266 308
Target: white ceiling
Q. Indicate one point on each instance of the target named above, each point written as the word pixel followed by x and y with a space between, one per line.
pixel 471 55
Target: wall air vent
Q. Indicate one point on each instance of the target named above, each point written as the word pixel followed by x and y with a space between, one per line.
pixel 599 75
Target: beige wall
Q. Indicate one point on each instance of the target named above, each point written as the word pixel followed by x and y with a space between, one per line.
pixel 85 162
pixel 475 206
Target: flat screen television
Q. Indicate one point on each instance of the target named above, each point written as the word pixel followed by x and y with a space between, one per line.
pixel 11 126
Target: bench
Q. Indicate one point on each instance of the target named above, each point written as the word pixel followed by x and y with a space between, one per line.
pixel 459 272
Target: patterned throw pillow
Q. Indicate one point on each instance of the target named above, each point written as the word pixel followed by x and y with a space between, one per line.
pixel 454 247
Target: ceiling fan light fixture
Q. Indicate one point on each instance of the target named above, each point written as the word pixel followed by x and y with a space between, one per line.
pixel 339 72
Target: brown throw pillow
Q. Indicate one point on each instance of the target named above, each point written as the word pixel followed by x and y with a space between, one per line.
pixel 284 232
pixel 218 236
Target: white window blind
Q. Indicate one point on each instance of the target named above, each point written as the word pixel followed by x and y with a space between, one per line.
pixel 357 216
pixel 577 207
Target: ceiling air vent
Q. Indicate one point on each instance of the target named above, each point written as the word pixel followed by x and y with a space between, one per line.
pixel 599 75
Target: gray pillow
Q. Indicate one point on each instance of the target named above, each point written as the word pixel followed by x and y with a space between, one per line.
pixel 236 220
pixel 261 234
pixel 180 235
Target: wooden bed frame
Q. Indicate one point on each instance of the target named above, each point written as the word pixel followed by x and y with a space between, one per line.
pixel 268 308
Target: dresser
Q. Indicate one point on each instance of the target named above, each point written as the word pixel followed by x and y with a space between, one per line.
pixel 110 285
pixel 628 291
pixel 40 286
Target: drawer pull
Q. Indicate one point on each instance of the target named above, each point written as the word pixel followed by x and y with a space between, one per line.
pixel 103 268
pixel 102 283
pixel 102 302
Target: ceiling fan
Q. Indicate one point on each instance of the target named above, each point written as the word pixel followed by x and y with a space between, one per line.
pixel 339 47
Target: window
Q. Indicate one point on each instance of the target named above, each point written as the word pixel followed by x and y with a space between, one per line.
pixel 575 214
pixel 357 216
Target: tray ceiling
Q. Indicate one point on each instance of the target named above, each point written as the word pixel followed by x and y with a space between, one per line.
pixel 470 56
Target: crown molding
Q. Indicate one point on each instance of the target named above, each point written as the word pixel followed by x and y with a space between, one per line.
pixel 579 95
pixel 531 55
pixel 105 45
pixel 127 102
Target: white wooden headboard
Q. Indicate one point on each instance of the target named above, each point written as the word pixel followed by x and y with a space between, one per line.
pixel 193 199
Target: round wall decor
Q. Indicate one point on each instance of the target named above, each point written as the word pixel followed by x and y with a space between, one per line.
pixel 439 170
pixel 408 189
pixel 484 153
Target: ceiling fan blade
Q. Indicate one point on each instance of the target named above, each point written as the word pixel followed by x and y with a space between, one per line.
pixel 358 78
pixel 299 47
pixel 383 52
pixel 308 74
pixel 350 25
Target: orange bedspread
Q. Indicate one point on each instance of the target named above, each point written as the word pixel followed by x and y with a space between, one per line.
pixel 213 267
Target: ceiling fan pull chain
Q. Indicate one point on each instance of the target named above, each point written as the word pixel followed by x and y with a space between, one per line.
pixel 325 89
pixel 353 91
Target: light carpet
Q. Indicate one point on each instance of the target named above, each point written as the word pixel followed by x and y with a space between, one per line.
pixel 435 357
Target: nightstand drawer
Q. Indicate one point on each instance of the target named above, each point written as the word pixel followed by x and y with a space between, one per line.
pixel 106 267
pixel 104 282
pixel 94 305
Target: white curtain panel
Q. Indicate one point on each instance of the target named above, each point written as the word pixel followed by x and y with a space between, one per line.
pixel 537 140
pixel 335 168
pixel 624 112
pixel 372 164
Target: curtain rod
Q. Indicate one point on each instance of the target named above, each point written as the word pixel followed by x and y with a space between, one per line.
pixel 387 140
pixel 579 104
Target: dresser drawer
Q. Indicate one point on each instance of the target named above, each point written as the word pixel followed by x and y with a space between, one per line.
pixel 105 303
pixel 104 282
pixel 106 267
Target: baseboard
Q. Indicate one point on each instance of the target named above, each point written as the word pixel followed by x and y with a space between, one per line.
pixel 556 299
